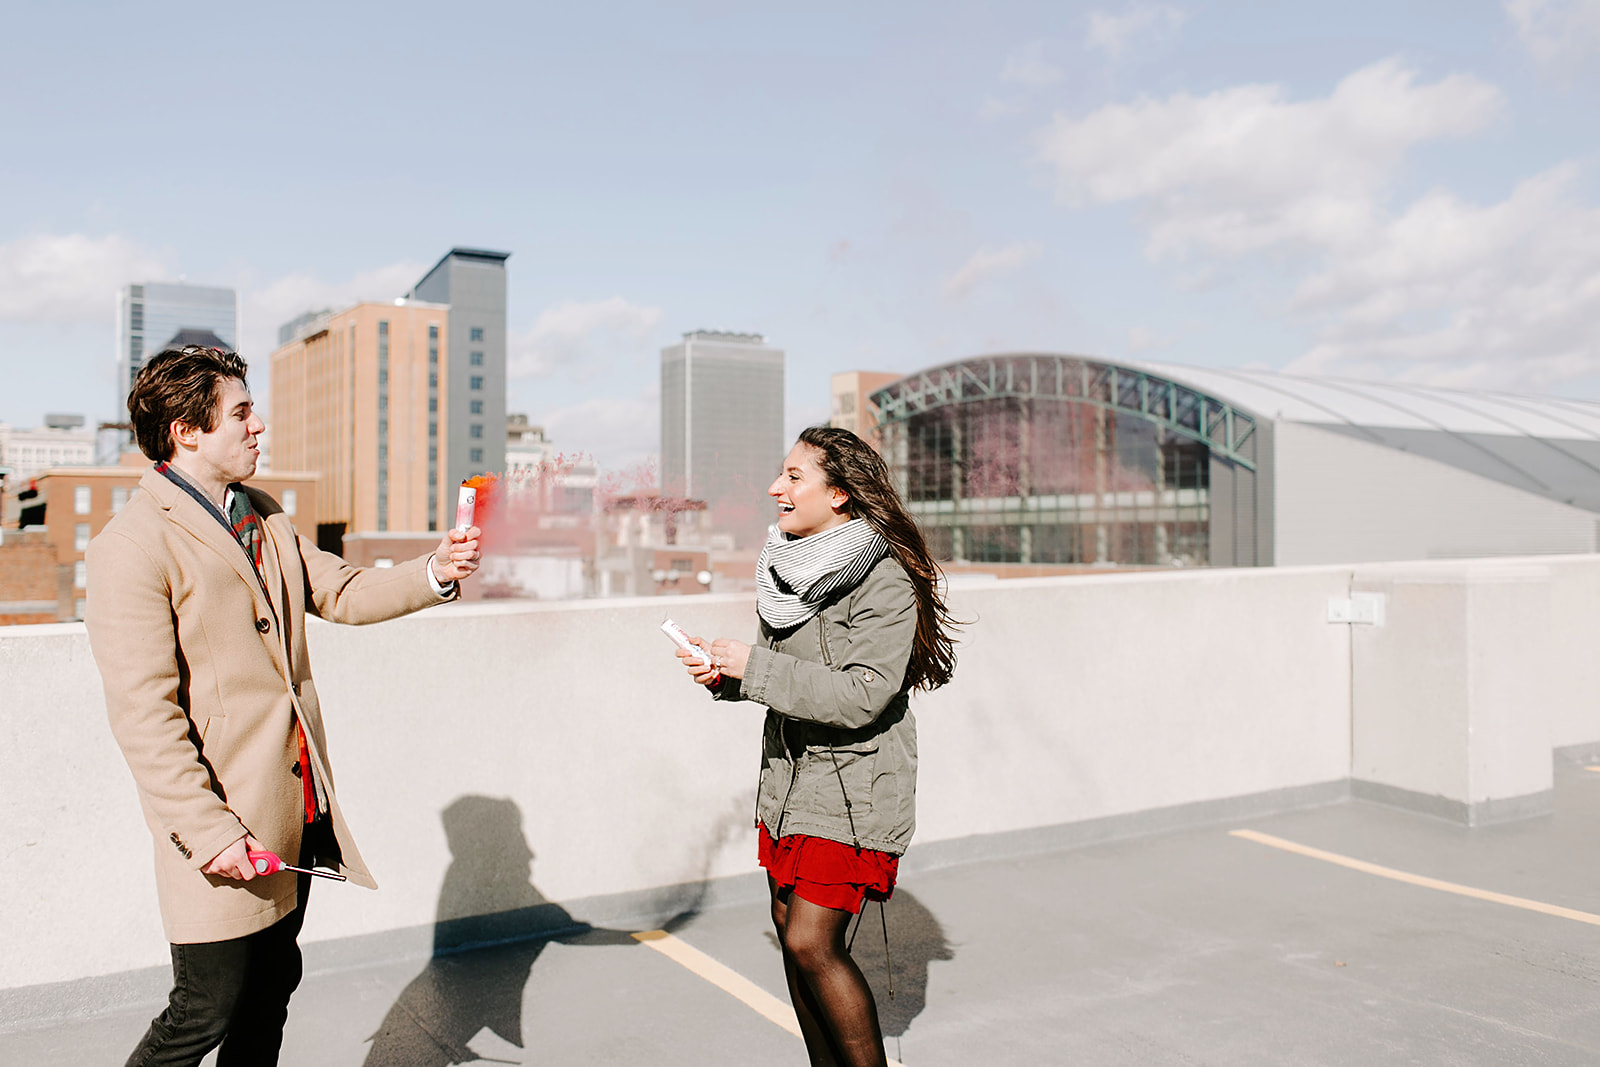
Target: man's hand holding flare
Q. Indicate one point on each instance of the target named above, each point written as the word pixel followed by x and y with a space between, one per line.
pixel 457 556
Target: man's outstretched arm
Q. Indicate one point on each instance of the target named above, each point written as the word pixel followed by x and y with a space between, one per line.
pixel 340 592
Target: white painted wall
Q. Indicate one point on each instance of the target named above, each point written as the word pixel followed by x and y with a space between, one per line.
pixel 1339 499
pixel 1075 698
pixel 1452 696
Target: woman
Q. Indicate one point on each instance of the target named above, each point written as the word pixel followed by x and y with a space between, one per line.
pixel 851 622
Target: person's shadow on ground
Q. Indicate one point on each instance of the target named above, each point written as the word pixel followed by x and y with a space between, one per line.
pixel 488 899
pixel 915 939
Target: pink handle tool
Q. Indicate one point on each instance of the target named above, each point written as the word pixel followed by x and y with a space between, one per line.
pixel 269 863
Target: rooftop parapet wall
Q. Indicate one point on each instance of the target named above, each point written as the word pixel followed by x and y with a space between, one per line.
pixel 1076 699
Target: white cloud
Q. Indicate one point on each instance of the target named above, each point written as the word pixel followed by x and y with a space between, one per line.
pixel 1245 169
pixel 622 433
pixel 986 264
pixel 586 336
pixel 1441 290
pixel 1503 295
pixel 1027 66
pixel 264 309
pixel 70 277
pixel 1559 34
pixel 1113 33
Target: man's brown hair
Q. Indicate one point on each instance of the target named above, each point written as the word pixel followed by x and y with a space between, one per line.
pixel 179 384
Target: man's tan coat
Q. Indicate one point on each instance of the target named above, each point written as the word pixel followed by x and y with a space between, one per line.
pixel 205 671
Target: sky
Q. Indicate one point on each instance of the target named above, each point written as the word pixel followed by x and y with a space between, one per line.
pixel 1369 190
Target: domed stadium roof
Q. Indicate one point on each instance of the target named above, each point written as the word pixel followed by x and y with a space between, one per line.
pixel 1542 444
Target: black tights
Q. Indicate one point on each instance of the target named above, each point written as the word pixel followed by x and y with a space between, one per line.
pixel 838 1017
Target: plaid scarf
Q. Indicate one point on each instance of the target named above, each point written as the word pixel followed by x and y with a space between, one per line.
pixel 794 578
pixel 245 524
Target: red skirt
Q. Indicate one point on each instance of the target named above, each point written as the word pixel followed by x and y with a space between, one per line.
pixel 828 873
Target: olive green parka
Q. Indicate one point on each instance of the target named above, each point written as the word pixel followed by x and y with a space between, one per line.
pixel 839 749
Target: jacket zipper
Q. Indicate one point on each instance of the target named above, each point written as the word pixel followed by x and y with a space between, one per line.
pixel 827 661
pixel 783 739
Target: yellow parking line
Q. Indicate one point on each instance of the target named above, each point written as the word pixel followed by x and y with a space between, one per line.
pixel 1420 880
pixel 724 978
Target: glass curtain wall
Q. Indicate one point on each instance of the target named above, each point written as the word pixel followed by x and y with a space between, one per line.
pixel 1052 480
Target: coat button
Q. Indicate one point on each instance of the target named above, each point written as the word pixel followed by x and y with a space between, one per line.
pixel 294 769
pixel 262 626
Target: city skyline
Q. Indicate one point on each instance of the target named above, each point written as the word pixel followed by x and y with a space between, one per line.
pixel 1368 191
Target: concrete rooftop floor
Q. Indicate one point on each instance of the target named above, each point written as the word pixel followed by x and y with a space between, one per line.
pixel 1190 947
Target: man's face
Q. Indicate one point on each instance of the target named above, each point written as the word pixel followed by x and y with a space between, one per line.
pixel 229 452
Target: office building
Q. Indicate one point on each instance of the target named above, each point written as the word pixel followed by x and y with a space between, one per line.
pixel 473 386
pixel 363 397
pixel 1058 459
pixel 64 507
pixel 61 441
pixel 152 315
pixel 852 408
pixel 722 433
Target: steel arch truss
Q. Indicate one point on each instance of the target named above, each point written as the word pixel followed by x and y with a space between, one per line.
pixel 1228 431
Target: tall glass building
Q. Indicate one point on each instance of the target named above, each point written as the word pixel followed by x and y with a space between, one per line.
pixel 151 315
pixel 473 282
pixel 722 437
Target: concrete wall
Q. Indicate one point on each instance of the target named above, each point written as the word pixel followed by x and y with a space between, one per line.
pixel 1077 701
pixel 1339 499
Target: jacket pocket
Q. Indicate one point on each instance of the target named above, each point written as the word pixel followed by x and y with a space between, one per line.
pixel 844 772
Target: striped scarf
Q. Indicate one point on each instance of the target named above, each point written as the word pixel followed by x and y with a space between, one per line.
pixel 795 577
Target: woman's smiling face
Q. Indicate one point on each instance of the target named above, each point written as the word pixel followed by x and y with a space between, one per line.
pixel 807 504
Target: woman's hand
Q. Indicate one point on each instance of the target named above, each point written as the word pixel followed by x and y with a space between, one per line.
pixel 702 674
pixel 731 656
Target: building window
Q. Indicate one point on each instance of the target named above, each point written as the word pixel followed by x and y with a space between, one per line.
pixel 477 334
pixel 477 455
pixel 80 606
pixel 80 500
pixel 80 575
pixel 433 404
pixel 476 359
pixel 433 453
pixel 476 381
pixel 433 381
pixel 477 407
pixel 291 500
pixel 80 537
pixel 476 430
pixel 433 333
pixel 119 498
pixel 433 429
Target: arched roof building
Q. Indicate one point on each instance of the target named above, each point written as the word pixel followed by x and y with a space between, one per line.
pixel 1043 458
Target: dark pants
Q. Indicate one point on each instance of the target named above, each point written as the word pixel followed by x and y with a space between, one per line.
pixel 233 993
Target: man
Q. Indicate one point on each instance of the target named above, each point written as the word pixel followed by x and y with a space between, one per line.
pixel 198 591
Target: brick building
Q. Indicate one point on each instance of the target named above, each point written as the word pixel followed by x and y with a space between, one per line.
pixel 30 581
pixel 66 507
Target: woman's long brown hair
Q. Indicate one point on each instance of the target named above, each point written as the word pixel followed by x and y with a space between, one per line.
pixel 850 464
